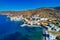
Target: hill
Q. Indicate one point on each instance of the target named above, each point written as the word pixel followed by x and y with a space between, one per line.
pixel 42 12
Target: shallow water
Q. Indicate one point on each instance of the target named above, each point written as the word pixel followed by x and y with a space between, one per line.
pixel 10 30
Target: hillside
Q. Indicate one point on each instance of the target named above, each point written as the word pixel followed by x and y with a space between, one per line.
pixel 41 12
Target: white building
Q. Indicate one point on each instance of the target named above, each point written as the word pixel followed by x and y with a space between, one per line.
pixel 52 36
pixel 16 18
pixel 47 38
pixel 56 28
pixel 43 18
pixel 52 25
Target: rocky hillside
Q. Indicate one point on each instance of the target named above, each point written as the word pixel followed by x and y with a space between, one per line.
pixel 41 12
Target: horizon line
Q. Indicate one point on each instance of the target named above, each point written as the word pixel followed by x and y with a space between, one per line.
pixel 27 9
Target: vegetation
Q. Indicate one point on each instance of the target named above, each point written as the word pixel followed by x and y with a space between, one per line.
pixel 58 37
pixel 57 24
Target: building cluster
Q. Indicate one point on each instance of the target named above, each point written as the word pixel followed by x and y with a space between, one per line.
pixel 35 20
pixel 49 35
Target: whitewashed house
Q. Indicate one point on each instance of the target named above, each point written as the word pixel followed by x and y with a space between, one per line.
pixel 52 36
pixel 56 28
pixel 43 18
pixel 52 25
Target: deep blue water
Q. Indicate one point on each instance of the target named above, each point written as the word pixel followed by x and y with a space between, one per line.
pixel 10 30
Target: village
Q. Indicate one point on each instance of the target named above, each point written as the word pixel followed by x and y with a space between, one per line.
pixel 51 26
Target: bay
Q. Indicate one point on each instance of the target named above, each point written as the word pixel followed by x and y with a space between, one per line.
pixel 11 30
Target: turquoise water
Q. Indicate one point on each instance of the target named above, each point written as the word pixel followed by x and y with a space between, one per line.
pixel 10 30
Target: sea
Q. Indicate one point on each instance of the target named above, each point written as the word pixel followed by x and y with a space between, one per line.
pixel 12 30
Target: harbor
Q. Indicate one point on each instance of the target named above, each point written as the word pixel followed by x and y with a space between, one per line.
pixel 36 21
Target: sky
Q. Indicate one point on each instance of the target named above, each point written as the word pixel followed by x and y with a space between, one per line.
pixel 18 5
